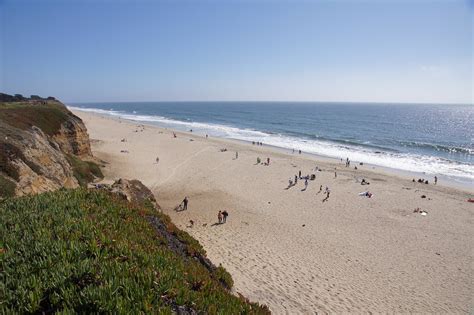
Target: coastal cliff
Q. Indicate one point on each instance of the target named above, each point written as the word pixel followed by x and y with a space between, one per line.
pixel 107 249
pixel 43 147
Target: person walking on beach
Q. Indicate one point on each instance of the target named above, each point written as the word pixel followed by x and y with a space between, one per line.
pixel 268 161
pixel 436 180
pixel 236 155
pixel 185 203
pixel 219 217
pixel 299 174
pixel 225 214
pixel 305 184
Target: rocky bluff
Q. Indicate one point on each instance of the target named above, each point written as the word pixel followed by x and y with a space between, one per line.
pixel 43 146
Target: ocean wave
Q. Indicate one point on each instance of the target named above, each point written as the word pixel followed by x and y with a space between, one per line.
pixel 438 147
pixel 357 152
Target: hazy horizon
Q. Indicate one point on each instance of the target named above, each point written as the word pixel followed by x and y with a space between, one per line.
pixel 265 51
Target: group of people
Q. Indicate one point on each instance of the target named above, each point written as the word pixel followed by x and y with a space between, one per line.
pixel 348 162
pixel 305 178
pixel 425 181
pixel 222 216
pixel 257 143
pixel 259 161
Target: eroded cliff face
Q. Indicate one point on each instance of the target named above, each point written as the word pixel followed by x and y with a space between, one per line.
pixel 43 147
pixel 73 138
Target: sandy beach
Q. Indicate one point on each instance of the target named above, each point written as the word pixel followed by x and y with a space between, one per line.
pixel 286 247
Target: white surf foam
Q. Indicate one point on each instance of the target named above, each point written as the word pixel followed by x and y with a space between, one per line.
pixel 407 162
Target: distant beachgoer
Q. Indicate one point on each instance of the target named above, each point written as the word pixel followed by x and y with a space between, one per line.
pixel 185 203
pixel 355 167
pixel 258 160
pixel 157 160
pixel 296 179
pixel 299 151
pixel 320 188
pixel 219 217
pixel 290 183
pixel 225 214
pixel 299 174
pixel 206 136
pixel 335 174
pixel 236 155
pixel 253 142
pixel 305 183
pixel 174 135
pixel 268 161
pixel 436 179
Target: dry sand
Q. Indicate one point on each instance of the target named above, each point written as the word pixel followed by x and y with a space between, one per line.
pixel 288 249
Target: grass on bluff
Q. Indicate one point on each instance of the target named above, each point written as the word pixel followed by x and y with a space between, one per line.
pixel 7 187
pixel 46 115
pixel 84 171
pixel 87 251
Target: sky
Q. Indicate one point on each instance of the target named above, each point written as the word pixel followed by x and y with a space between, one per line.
pixel 262 50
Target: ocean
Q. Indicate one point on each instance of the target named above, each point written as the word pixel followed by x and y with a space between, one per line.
pixel 418 138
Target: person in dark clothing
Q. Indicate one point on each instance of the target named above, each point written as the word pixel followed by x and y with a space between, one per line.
pixel 185 203
pixel 225 214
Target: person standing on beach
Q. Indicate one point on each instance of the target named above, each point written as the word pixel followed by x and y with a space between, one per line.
pixel 299 174
pixel 335 173
pixel 268 161
pixel 436 180
pixel 236 155
pixel 305 184
pixel 219 217
pixel 225 214
pixel 296 179
pixel 185 203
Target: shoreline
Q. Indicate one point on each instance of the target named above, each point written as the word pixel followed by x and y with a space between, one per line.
pixel 285 247
pixel 444 179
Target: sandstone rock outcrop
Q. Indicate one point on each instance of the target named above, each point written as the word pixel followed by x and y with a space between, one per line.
pixel 42 146
pixel 134 191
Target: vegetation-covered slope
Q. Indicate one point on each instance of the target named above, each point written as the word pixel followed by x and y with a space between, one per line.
pixel 88 251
